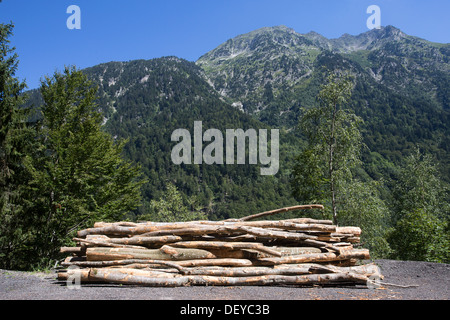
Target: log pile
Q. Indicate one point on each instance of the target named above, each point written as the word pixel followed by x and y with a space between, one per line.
pixel 233 252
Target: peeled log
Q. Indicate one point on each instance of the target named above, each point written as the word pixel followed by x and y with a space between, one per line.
pixel 107 254
pixel 215 262
pixel 137 240
pixel 272 212
pixel 274 234
pixel 226 245
pixel 356 231
pixel 245 271
pixel 149 279
pixel 316 257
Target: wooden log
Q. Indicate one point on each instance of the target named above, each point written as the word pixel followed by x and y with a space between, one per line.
pixel 289 251
pixel 226 245
pixel 106 254
pixel 149 279
pixel 201 227
pixel 356 231
pixel 315 257
pixel 120 224
pixel 288 225
pixel 122 277
pixel 81 274
pixel 215 262
pixel 246 271
pixel 309 221
pixel 282 210
pixel 109 230
pixel 284 269
pixel 92 243
pixel 136 240
pixel 101 264
pixel 74 250
pixel 367 270
pixel 196 230
pixel 276 234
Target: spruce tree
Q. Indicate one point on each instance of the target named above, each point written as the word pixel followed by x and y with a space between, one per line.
pixel 79 176
pixel 15 143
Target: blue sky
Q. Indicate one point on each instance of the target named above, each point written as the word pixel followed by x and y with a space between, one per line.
pixel 145 29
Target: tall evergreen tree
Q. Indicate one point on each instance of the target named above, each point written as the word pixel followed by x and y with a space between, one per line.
pixel 79 176
pixel 15 142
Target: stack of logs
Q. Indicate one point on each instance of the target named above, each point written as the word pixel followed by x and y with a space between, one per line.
pixel 232 252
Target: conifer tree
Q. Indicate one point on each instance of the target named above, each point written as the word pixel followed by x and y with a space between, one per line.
pixel 79 176
pixel 15 143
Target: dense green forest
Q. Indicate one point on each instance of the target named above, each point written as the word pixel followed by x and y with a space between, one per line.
pixel 61 143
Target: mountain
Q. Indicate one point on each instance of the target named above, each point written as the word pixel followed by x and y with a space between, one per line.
pixel 260 80
pixel 247 67
pixel 145 101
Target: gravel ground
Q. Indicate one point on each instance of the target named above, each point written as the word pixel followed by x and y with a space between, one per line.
pixel 430 281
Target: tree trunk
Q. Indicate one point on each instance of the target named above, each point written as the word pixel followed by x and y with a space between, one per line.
pixel 226 245
pixel 272 212
pixel 149 278
pixel 106 254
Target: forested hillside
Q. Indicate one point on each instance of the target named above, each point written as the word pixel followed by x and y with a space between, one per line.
pixel 145 101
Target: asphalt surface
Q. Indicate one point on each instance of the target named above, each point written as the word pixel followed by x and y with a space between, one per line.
pixel 418 281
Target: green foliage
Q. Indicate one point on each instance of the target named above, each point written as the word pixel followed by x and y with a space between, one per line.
pixel 420 212
pixel 361 205
pixel 334 144
pixel 277 76
pixel 77 173
pixel 15 142
pixel 421 236
pixel 324 170
pixel 172 207
pixel 145 101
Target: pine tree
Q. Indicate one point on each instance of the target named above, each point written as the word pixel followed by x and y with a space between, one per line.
pixel 79 175
pixel 15 143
